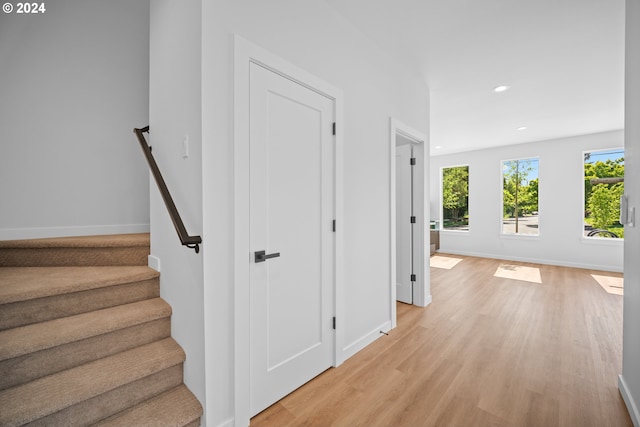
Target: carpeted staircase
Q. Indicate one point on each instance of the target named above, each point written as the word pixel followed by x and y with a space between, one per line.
pixel 85 338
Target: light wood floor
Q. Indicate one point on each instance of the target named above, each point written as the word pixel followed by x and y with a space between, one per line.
pixel 489 351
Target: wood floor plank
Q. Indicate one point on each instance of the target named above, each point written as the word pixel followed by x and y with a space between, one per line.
pixel 539 349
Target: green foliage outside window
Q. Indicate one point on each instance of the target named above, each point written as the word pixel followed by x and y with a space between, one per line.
pixel 455 197
pixel 520 196
pixel 603 186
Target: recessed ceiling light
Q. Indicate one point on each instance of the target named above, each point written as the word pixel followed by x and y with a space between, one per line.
pixel 522 128
pixel 501 88
pixel 438 147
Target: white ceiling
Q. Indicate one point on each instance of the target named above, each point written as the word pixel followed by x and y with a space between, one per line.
pixel 563 59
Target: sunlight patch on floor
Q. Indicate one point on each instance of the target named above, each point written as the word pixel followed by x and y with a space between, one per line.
pixel 444 262
pixel 519 272
pixel 611 284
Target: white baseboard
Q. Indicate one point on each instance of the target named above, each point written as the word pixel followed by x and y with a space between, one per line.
pixel 428 300
pixel 365 340
pixel 628 400
pixel 534 260
pixel 228 423
pixel 91 230
pixel 153 262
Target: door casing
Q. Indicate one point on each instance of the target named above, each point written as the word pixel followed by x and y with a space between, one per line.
pixel 246 53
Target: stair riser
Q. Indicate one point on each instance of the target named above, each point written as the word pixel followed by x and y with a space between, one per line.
pixel 20 370
pixel 43 309
pixel 107 404
pixel 67 257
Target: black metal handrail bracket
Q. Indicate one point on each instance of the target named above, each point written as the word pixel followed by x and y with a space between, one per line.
pixel 192 242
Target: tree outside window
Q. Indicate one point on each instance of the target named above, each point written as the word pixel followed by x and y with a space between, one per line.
pixel 520 197
pixel 603 186
pixel 455 198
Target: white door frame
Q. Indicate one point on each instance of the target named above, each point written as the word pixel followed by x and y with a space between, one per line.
pixel 246 53
pixel 422 288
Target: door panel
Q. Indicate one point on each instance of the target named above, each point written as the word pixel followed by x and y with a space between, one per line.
pixel 291 213
pixel 404 251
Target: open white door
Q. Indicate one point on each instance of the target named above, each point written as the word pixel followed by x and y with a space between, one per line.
pixel 292 246
pixel 404 227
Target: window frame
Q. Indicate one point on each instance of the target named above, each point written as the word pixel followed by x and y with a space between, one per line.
pixel 501 189
pixel 441 198
pixel 595 239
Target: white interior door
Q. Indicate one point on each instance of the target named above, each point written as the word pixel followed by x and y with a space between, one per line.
pixel 291 214
pixel 404 227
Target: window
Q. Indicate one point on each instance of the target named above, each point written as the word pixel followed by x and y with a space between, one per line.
pixel 520 197
pixel 455 198
pixel 603 186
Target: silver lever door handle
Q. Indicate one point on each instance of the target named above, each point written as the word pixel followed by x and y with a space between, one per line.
pixel 261 256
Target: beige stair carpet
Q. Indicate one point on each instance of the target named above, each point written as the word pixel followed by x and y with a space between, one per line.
pixel 85 338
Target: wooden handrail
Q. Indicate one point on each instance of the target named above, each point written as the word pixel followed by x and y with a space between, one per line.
pixel 192 242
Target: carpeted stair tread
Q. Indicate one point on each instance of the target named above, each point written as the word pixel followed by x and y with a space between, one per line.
pixel 102 241
pixel 91 411
pixel 26 283
pixel 175 408
pixel 47 395
pixel 28 367
pixel 40 336
pixel 108 250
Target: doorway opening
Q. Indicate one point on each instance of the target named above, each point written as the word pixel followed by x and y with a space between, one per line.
pixel 406 250
pixel 409 207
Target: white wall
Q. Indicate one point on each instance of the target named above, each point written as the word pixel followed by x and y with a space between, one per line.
pixel 630 378
pixel 312 36
pixel 175 112
pixel 73 85
pixel 560 205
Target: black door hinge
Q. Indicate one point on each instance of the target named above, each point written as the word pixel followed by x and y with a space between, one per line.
pixel 334 225
pixel 413 277
pixel 334 128
pixel 412 162
pixel 334 322
pixel 413 220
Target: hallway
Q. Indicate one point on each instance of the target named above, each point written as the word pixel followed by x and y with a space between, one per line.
pixel 489 351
